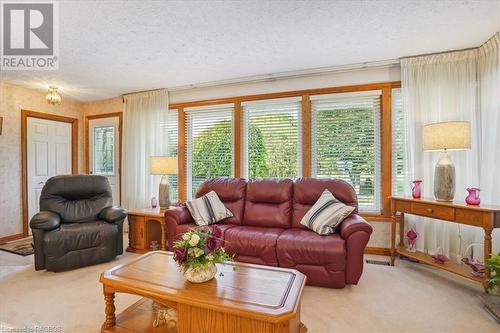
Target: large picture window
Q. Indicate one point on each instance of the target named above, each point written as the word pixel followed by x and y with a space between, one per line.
pixel 172 133
pixel 272 142
pixel 399 172
pixel 209 144
pixel 346 143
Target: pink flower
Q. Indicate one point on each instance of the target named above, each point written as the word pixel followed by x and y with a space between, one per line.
pixel 180 255
pixel 212 245
pixel 216 232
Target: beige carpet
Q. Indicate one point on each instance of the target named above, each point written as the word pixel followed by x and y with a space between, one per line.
pixel 405 298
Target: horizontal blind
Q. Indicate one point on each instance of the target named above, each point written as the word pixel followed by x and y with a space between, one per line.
pixel 209 143
pixel 272 138
pixel 172 129
pixel 399 169
pixel 346 143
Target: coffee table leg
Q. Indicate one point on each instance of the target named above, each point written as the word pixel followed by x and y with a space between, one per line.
pixel 109 300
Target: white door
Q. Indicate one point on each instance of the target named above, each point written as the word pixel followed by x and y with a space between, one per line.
pixel 48 155
pixel 104 151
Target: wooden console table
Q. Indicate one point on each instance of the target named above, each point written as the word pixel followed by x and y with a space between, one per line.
pixel 146 225
pixel 486 217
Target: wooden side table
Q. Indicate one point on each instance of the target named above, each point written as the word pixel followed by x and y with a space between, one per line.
pixel 146 225
pixel 486 217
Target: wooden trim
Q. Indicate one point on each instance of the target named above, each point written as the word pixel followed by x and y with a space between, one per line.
pixel 10 238
pixel 120 142
pixel 378 251
pixel 24 151
pixel 376 218
pixel 181 154
pixel 318 91
pixel 238 140
pixel 306 136
pixel 386 150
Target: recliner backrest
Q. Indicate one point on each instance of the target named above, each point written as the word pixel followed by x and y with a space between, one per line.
pixel 269 203
pixel 231 192
pixel 306 191
pixel 76 198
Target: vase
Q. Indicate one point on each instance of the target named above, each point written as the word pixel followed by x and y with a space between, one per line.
pixel 473 197
pixel 416 190
pixel 201 274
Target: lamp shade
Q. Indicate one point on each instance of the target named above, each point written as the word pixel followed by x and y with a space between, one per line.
pixel 449 135
pixel 163 165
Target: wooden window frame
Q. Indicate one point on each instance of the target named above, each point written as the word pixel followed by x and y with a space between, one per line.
pixel 385 140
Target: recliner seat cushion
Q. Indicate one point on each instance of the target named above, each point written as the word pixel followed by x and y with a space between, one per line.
pixel 268 203
pixel 321 258
pixel 80 244
pixel 255 245
pixel 231 192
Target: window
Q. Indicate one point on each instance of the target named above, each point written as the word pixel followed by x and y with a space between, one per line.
pixel 209 144
pixel 172 129
pixel 346 143
pixel 104 150
pixel 272 139
pixel 399 172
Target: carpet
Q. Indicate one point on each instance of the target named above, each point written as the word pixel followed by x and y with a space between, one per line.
pixel 21 247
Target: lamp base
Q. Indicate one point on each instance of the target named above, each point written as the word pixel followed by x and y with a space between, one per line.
pixel 444 178
pixel 164 193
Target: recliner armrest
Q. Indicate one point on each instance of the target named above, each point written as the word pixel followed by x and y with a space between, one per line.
pixel 113 214
pixel 179 215
pixel 352 224
pixel 45 220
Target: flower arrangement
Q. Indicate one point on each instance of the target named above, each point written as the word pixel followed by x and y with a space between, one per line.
pixel 198 251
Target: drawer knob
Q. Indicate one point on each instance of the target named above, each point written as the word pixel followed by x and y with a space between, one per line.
pixel 430 210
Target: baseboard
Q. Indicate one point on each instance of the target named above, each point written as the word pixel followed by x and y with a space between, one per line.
pixel 379 251
pixel 11 238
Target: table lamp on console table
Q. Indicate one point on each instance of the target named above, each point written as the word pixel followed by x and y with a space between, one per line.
pixel 163 165
pixel 445 136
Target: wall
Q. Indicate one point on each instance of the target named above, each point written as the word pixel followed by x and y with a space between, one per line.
pixel 13 98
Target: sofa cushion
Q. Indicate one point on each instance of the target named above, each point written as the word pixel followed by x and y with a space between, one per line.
pixel 208 209
pixel 268 203
pixel 231 192
pixel 306 191
pixel 321 258
pixel 255 245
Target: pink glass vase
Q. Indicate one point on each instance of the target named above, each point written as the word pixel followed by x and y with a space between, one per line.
pixel 416 190
pixel 473 197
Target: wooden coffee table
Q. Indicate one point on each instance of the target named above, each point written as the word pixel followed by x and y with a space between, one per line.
pixel 252 299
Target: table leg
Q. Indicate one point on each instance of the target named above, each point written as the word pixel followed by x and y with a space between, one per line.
pixel 393 238
pixel 109 300
pixel 401 229
pixel 487 254
pixel 163 245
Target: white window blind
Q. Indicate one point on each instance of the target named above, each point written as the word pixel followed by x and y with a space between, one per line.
pixel 346 143
pixel 272 138
pixel 209 144
pixel 172 129
pixel 399 169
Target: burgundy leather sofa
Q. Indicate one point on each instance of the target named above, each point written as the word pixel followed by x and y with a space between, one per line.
pixel 266 227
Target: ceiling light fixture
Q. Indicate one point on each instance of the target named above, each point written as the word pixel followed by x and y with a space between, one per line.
pixel 53 96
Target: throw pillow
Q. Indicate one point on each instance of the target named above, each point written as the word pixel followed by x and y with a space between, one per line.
pixel 326 214
pixel 208 209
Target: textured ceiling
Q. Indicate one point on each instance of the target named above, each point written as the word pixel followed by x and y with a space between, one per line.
pixel 112 47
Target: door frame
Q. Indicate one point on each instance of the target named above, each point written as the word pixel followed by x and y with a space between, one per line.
pixel 24 153
pixel 120 135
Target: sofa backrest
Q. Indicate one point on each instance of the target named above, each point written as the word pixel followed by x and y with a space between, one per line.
pixel 306 191
pixel 76 198
pixel 231 192
pixel 268 203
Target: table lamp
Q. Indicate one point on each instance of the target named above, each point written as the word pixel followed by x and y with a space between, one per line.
pixel 163 165
pixel 445 136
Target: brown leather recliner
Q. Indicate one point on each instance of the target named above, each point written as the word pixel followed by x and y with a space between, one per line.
pixel 266 227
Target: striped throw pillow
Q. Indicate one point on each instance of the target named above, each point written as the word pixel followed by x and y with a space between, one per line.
pixel 208 209
pixel 326 214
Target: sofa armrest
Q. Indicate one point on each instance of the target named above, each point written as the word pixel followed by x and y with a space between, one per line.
pixel 113 214
pixel 178 215
pixel 352 224
pixel 45 220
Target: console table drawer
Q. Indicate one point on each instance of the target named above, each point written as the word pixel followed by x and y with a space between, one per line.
pixel 471 218
pixel 435 211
